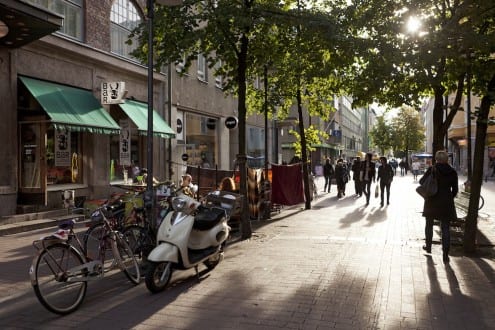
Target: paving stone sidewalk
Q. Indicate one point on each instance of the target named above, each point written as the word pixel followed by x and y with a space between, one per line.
pixel 340 265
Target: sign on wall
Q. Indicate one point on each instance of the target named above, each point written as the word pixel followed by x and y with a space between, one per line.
pixel 113 92
pixel 125 142
pixel 62 148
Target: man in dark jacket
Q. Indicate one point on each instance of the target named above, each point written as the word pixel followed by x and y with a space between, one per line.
pixel 367 175
pixel 385 177
pixel 341 177
pixel 328 174
pixel 356 167
pixel 441 206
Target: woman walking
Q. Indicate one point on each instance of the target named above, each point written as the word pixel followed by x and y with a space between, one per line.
pixel 441 206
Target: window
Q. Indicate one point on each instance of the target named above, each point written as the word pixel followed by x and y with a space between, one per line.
pixel 181 66
pixel 202 68
pixel 201 145
pixel 124 18
pixel 219 79
pixel 72 10
pixel 63 157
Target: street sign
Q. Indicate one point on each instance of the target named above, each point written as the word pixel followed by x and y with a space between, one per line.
pixel 231 122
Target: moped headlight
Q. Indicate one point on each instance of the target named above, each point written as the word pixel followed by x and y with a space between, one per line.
pixel 179 204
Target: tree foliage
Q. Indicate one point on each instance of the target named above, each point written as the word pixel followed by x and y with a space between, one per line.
pixel 409 131
pixel 381 135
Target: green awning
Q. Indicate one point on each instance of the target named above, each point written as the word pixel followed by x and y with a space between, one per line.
pixel 138 113
pixel 71 108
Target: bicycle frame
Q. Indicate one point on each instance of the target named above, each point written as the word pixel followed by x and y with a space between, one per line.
pixel 91 269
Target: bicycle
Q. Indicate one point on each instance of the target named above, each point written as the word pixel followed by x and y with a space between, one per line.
pixel 115 211
pixel 141 235
pixel 60 271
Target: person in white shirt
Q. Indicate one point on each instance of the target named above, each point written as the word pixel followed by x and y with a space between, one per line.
pixel 415 169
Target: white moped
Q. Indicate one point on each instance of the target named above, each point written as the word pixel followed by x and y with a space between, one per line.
pixel 189 235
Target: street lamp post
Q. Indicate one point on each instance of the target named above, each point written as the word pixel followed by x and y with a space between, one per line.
pixel 148 197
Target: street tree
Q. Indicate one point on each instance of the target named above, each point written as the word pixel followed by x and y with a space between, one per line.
pixel 409 131
pixel 303 65
pixel 381 135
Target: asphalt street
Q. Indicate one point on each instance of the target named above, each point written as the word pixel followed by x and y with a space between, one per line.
pixel 340 265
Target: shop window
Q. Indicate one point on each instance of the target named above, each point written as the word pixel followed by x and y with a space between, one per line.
pixel 63 157
pixel 119 164
pixel 200 144
pixel 72 10
pixel 124 18
pixel 255 141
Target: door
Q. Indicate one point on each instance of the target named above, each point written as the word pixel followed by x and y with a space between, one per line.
pixel 32 163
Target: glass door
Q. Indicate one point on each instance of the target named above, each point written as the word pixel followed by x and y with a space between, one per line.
pixel 32 164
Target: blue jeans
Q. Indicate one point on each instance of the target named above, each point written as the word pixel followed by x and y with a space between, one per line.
pixel 366 190
pixel 445 226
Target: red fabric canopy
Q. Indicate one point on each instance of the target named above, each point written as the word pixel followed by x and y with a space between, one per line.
pixel 287 184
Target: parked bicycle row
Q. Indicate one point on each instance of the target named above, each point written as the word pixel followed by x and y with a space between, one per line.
pixel 186 233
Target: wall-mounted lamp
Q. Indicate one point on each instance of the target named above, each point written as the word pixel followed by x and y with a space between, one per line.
pixel 4 29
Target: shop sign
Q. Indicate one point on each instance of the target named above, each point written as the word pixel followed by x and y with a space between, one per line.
pixel 231 122
pixel 125 142
pixel 62 148
pixel 113 92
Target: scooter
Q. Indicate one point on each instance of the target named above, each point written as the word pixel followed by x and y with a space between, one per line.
pixel 189 235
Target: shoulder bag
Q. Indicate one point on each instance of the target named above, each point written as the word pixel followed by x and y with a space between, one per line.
pixel 429 187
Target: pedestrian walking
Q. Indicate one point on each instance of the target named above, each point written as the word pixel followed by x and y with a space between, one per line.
pixel 341 177
pixel 328 173
pixel 440 206
pixel 402 165
pixel 356 166
pixel 366 175
pixel 394 164
pixel 385 177
pixel 415 169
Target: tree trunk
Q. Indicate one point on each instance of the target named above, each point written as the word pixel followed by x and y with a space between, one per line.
pixel 438 124
pixel 246 230
pixel 304 156
pixel 471 228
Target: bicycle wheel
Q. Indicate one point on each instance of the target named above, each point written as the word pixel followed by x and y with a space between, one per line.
pixel 52 279
pixel 125 258
pixel 139 240
pixel 96 247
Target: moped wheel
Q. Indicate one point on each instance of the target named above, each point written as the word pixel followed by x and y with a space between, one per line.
pixel 53 274
pixel 158 276
pixel 214 260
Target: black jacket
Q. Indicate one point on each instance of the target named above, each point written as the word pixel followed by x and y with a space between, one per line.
pixel 441 206
pixel 385 174
pixel 328 170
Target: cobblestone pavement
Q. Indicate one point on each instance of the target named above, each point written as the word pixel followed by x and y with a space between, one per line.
pixel 340 265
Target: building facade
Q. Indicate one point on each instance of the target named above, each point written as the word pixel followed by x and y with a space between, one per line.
pixel 62 133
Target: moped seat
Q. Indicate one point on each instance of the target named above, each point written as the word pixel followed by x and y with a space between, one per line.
pixel 207 218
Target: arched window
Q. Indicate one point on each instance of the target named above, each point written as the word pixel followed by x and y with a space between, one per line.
pixel 124 18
